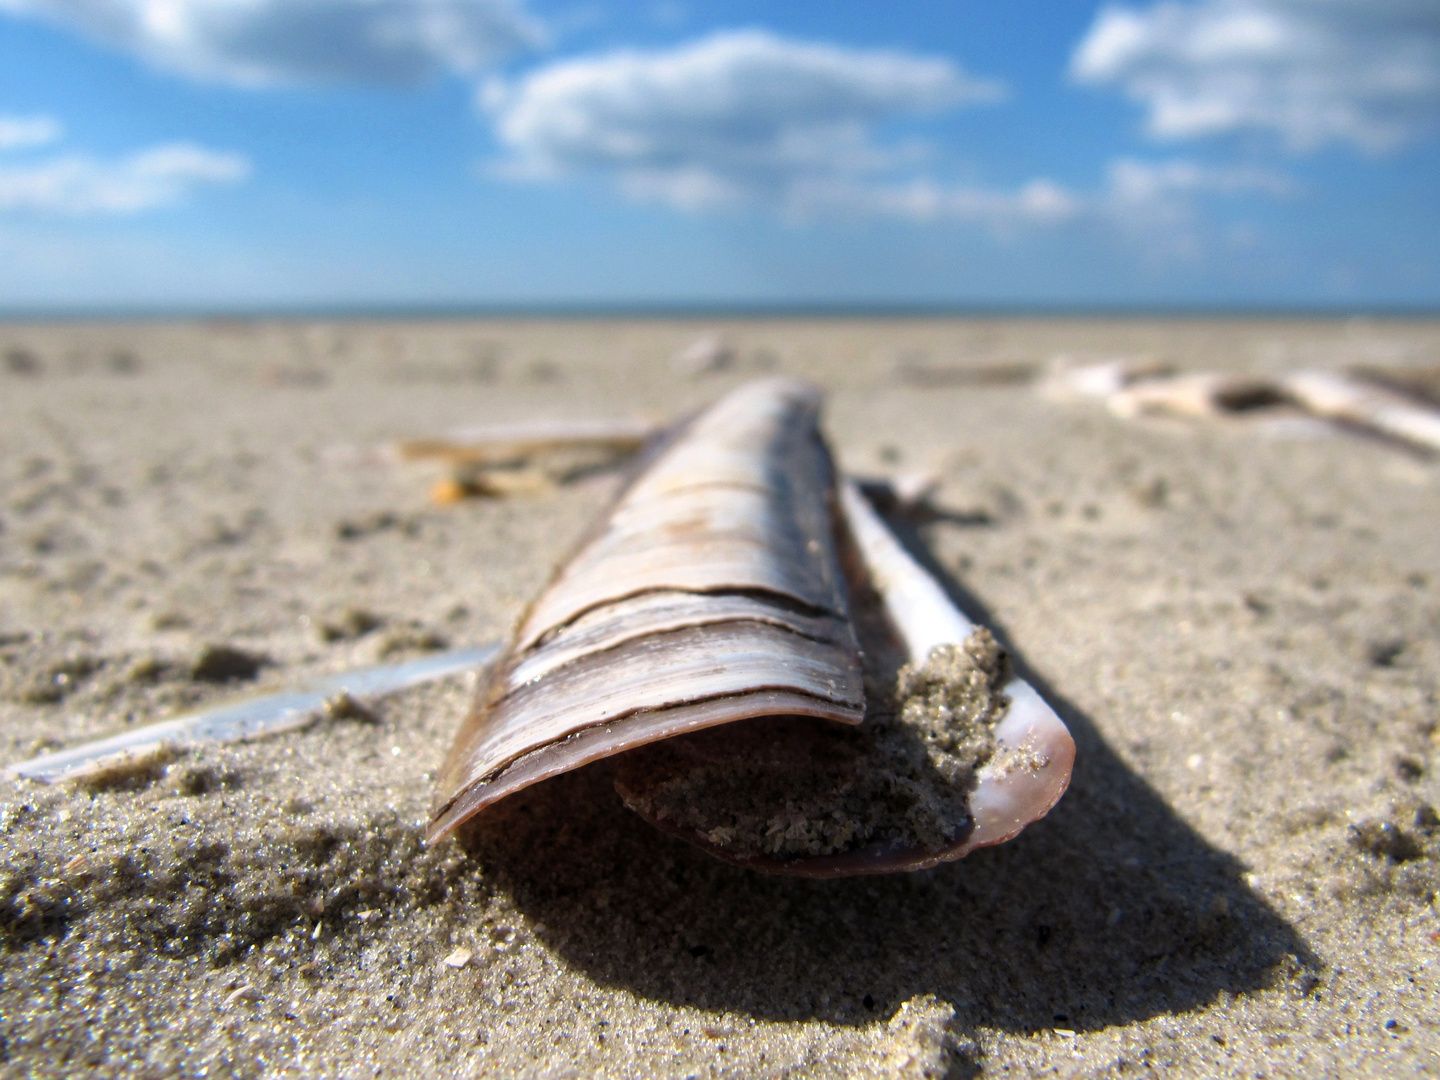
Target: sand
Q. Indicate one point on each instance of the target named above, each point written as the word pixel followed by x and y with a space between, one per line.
pixel 790 790
pixel 1237 618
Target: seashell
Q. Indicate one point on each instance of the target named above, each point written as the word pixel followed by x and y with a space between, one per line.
pixel 1421 384
pixel 1034 753
pixel 1395 402
pixel 712 593
pixel 703 356
pixel 1209 393
pixel 915 370
pixel 1348 400
pixel 498 444
pixel 706 637
pixel 498 460
pixel 1069 377
pixel 246 719
pixel 1013 764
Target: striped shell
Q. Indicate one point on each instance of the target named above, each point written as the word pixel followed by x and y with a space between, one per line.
pixel 712 593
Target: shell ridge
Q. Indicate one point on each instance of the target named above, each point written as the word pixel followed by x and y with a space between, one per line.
pixel 782 601
pixel 600 652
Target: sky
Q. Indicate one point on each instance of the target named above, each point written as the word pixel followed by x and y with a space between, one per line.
pixel 235 155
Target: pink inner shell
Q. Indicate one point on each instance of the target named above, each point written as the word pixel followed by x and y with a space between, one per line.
pixel 1003 803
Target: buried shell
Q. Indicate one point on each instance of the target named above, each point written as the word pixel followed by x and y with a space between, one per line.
pixel 708 636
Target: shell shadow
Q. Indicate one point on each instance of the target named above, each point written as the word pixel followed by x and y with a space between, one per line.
pixel 1109 911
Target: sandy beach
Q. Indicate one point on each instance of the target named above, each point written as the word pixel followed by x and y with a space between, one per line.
pixel 1238 618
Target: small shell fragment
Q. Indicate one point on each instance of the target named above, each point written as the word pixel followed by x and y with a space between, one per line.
pixel 500 444
pixel 239 721
pixel 1209 393
pixel 1340 397
pixel 459 958
pixel 246 993
pixel 1069 377
pixel 502 460
pixel 702 357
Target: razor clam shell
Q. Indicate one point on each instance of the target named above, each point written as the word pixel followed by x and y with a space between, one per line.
pixel 1031 769
pixel 248 718
pixel 1016 789
pixel 1208 393
pixel 1035 754
pixel 712 593
pixel 1340 397
pixel 507 442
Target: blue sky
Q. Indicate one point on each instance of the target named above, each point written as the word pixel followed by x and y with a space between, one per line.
pixel 242 154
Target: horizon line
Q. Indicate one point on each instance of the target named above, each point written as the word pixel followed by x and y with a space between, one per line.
pixel 581 310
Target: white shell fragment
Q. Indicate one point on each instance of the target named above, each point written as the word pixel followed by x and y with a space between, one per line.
pixel 1340 397
pixel 702 357
pixel 251 718
pixel 715 593
pixel 712 593
pixel 1392 402
pixel 458 958
pixel 1069 377
pixel 487 444
pixel 1206 393
pixel 501 460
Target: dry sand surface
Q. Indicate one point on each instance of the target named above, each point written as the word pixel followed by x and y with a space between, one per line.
pixel 1238 619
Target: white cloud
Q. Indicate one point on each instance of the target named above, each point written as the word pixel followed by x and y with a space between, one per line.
pixel 80 184
pixel 1135 195
pixel 1365 72
pixel 1139 183
pixel 23 132
pixel 749 117
pixel 1158 204
pixel 735 116
pixel 1167 209
pixel 258 42
pixel 1039 202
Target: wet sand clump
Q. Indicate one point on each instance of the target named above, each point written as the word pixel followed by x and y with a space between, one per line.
pixel 789 788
